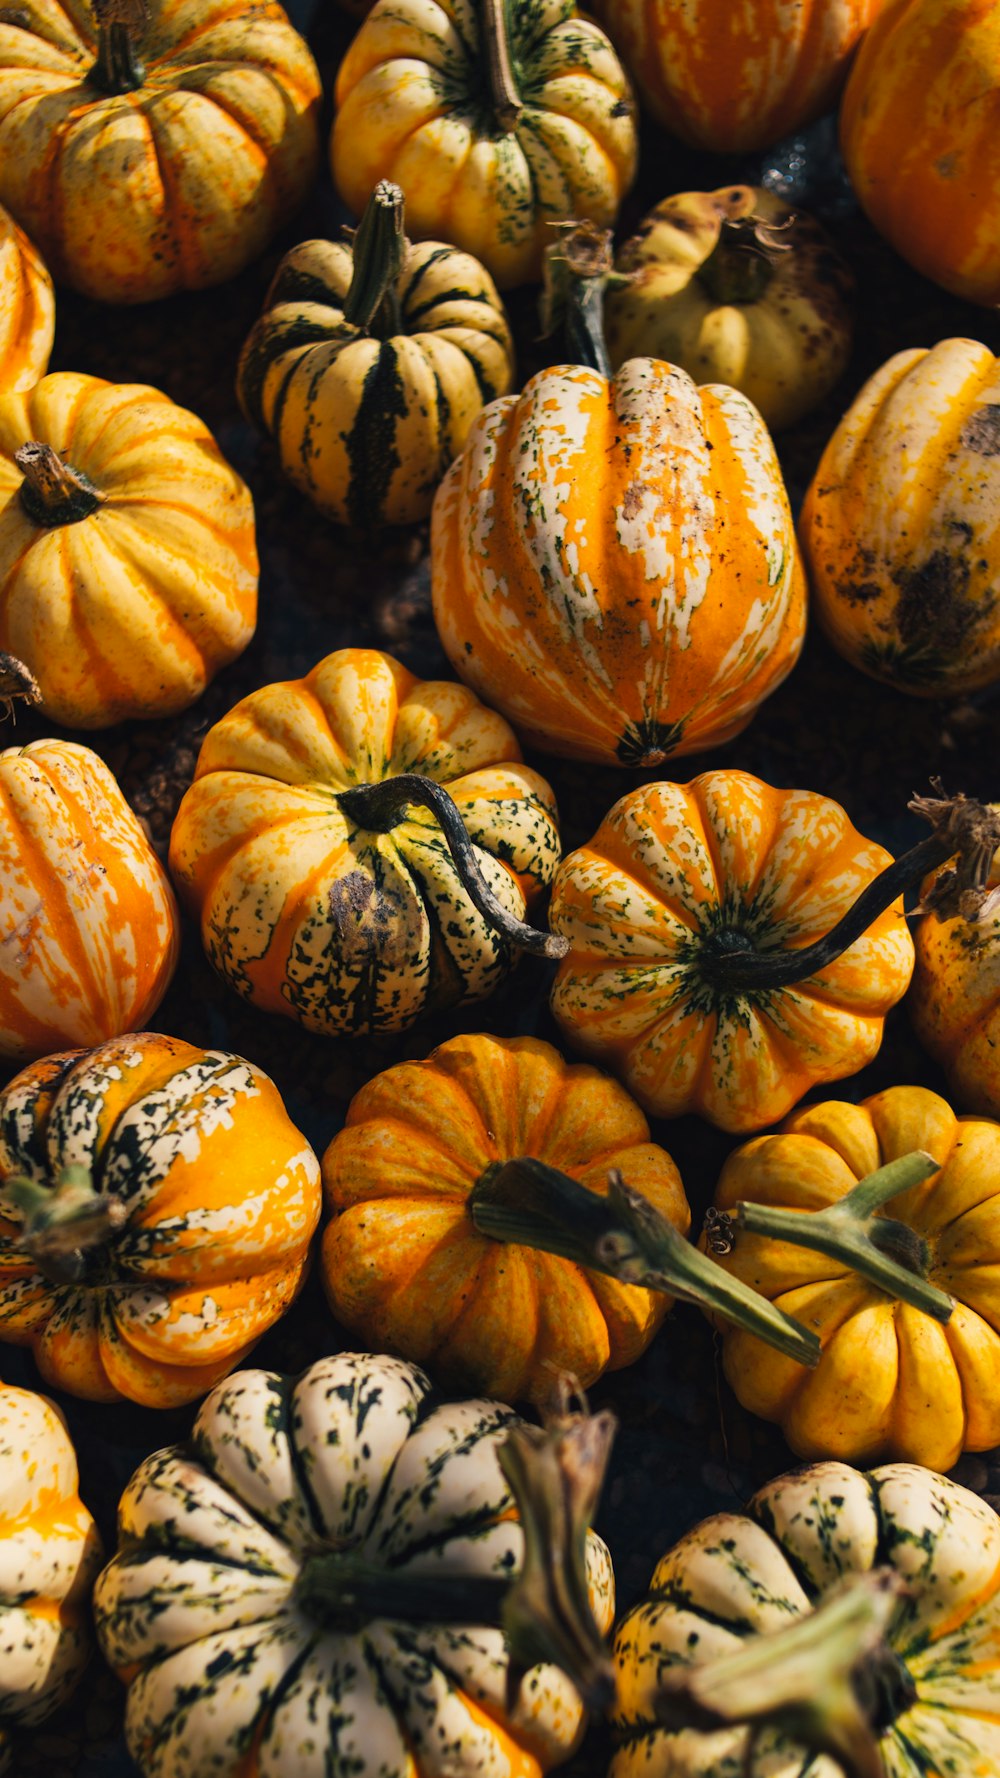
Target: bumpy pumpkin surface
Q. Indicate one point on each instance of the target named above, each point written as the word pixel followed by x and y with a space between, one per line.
pixel 414 105
pixel 89 924
pixel 404 1265
pixel 740 1575
pixel 49 1555
pixel 127 584
pixel 955 999
pixel 205 1610
pixel 150 157
pixel 672 877
pixel 614 563
pixel 220 1193
pixel 899 527
pixel 27 309
pixel 308 912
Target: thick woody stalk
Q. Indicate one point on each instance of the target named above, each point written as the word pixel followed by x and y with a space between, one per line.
pixel 379 252
pixel 62 1225
pixel 120 26
pixel 505 98
pixel 53 492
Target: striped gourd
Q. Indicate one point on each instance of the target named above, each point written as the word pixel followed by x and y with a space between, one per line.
pixel 156 1208
pixel 27 309
pixel 230 1610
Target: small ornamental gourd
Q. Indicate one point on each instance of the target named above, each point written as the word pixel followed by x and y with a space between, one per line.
pixel 613 560
pixel 898 528
pixel 497 117
pixel 845 1624
pixel 735 286
pixel 90 928
pixel 206 120
pixel 369 364
pixel 128 564
pixel 156 1208
pixel 954 1001
pixel 27 309
pixel 317 1583
pixel 359 847
pixel 50 1553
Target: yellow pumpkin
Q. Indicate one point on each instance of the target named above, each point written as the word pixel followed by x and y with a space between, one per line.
pixel 27 309
pixel 128 565
pixel 160 150
pixel 955 998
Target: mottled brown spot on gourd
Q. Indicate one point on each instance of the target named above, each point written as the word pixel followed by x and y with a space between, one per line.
pixel 982 432
pixel 932 605
pixel 632 501
pixel 859 588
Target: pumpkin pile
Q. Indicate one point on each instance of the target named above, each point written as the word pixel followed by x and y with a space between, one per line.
pixel 424 424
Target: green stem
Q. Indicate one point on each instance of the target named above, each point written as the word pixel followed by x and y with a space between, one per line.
pixel 342 1591
pixel 379 253
pixel 578 269
pixel 64 1223
pixel 505 98
pixel 118 68
pixel 743 261
pixel 52 492
pixel 623 1235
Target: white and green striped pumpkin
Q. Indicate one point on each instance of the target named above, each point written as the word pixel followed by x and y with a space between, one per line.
pixel 738 1576
pixel 210 1607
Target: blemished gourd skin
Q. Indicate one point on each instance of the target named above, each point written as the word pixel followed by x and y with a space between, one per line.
pixel 367 426
pixel 892 1382
pixel 88 914
pixel 900 528
pixel 219 143
pixel 131 610
pixel 670 865
pixel 954 1001
pixel 413 106
pixel 784 347
pixel 27 309
pixel 50 1553
pixel 404 1267
pixel 930 186
pixel 222 1197
pixel 732 78
pixel 739 1575
pixel 614 564
pixel 229 1678
pixel 343 928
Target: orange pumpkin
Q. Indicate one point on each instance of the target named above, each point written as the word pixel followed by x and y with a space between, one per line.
pixel 27 309
pixel 955 998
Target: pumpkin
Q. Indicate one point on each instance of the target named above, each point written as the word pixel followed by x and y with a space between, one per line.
pixel 49 1555
pixel 311 1587
pixel 931 190
pixel 90 927
pixel 497 117
pixel 27 309
pixel 128 565
pixel 754 1601
pixel 898 527
pixel 736 78
pixel 156 1207
pixel 359 846
pixel 206 120
pixel 954 1002
pixel 736 287
pixel 369 364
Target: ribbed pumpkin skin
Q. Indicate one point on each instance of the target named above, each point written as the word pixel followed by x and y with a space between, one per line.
pixel 614 564
pixel 228 1674
pixel 196 168
pixel 413 106
pixel 27 309
pixel 49 1555
pixel 783 350
pixel 736 77
pixel 740 1575
pixel 900 528
pixel 403 1265
pixel 671 865
pixel 222 1195
pixel 131 611
pixel 955 1000
pixel 931 190
pixel 366 426
pixel 343 929
pixel 88 915
pixel 892 1382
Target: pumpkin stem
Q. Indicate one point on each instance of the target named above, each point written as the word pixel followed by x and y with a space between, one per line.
pixel 17 685
pixel 494 23
pixel 578 269
pixel 964 830
pixel 64 1222
pixel 379 248
pixel 52 492
pixel 119 24
pixel 824 1681
pixel 743 261
pixel 889 1253
pixel 381 807
pixel 626 1237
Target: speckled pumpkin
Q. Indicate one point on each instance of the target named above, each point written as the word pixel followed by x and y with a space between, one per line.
pixel 489 151
pixel 128 563
pixel 147 156
pixel 49 1555
pixel 899 528
pixel 955 999
pixel 27 309
pixel 217 1196
pixel 212 1614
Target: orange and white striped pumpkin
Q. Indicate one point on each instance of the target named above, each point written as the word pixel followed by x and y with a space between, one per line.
pixel 27 309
